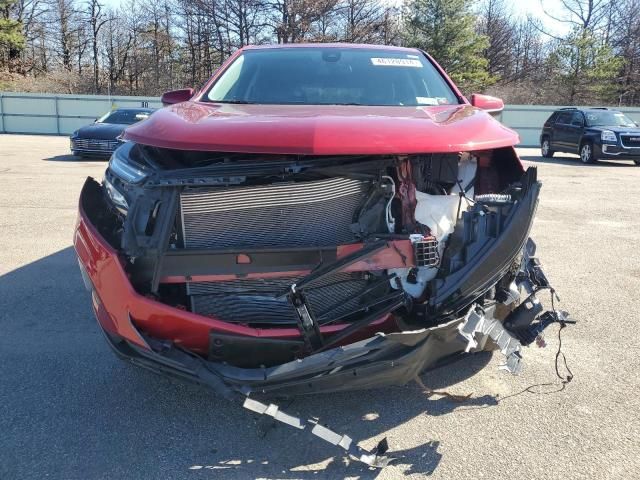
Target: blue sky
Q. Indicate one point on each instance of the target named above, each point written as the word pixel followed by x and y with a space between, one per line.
pixel 536 8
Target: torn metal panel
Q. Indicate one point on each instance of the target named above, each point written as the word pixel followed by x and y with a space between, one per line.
pixel 480 322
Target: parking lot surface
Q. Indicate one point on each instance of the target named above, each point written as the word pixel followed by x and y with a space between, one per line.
pixel 70 409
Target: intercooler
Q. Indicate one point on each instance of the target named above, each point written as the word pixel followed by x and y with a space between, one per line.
pixel 294 214
pixel 256 301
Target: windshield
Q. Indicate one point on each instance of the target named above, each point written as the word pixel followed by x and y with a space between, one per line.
pixel 124 117
pixel 609 119
pixel 331 76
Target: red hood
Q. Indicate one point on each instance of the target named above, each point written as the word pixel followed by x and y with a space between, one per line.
pixel 321 130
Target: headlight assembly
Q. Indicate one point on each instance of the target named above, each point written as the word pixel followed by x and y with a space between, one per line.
pixel 123 167
pixel 608 136
pixel 118 199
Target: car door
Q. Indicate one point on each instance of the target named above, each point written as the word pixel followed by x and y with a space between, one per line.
pixel 560 135
pixel 574 131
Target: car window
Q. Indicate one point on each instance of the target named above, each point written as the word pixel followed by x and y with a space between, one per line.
pixel 564 117
pixel 124 117
pixel 552 118
pixel 332 76
pixel 608 118
pixel 577 119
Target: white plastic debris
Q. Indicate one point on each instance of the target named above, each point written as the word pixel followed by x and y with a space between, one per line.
pixel 467 168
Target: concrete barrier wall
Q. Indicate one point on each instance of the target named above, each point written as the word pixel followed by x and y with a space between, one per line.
pixel 62 114
pixel 59 114
pixel 527 120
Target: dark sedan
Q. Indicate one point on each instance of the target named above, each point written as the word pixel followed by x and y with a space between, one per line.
pixel 100 138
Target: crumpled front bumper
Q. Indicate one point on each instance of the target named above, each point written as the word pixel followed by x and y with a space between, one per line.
pixel 173 341
pixel 176 341
pixel 124 315
pixel 384 359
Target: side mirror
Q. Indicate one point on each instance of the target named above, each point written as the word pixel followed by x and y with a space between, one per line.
pixel 177 96
pixel 487 103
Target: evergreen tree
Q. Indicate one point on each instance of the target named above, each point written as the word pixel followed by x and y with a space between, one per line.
pixel 586 68
pixel 446 30
pixel 11 38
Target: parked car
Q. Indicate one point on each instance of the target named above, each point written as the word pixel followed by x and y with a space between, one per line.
pixel 593 133
pixel 317 218
pixel 101 138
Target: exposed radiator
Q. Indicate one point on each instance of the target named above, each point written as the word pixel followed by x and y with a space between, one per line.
pixel 315 213
pixel 254 302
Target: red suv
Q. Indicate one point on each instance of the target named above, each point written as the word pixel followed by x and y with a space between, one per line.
pixel 316 218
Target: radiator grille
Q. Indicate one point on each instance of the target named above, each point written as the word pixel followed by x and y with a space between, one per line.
pixel 632 141
pixel 95 145
pixel 254 302
pixel 317 213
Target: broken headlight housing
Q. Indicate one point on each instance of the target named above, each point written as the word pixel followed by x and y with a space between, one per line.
pixel 118 199
pixel 122 166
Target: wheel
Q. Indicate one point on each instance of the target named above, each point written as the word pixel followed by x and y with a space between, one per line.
pixel 637 162
pixel 586 153
pixel 545 148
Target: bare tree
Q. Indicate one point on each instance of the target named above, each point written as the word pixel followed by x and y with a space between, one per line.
pixel 97 20
pixel 497 25
pixel 145 46
pixel 584 14
pixel 365 21
pixel 625 39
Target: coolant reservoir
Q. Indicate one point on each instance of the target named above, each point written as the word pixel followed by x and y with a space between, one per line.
pixel 438 213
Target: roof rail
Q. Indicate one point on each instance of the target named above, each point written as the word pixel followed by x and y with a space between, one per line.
pixel 568 108
pixel 598 108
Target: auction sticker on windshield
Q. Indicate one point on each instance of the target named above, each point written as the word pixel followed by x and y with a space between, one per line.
pixel 396 62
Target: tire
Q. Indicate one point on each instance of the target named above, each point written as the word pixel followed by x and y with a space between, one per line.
pixel 586 153
pixel 637 162
pixel 545 148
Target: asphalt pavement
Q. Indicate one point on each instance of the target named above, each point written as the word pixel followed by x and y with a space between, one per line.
pixel 70 409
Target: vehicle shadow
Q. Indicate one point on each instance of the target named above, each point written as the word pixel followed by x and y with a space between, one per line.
pixel 58 372
pixel 574 161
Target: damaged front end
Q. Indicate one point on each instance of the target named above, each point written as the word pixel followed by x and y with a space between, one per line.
pixel 293 274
